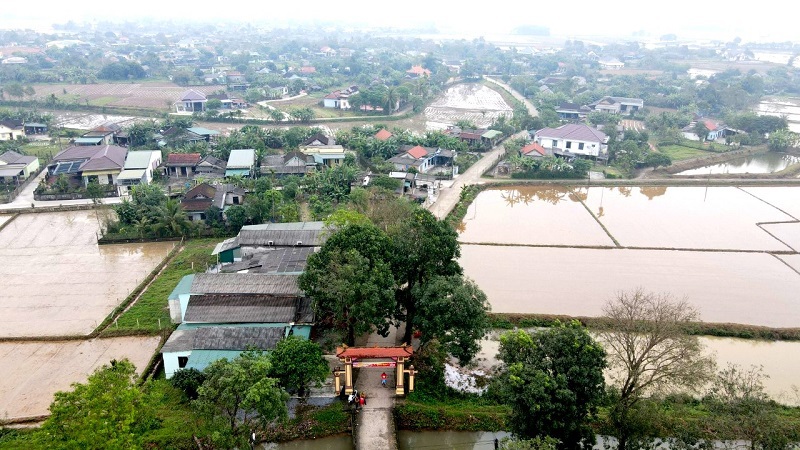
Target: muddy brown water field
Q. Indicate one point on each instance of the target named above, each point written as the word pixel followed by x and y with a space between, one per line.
pixel 514 246
pixel 31 372
pixel 57 281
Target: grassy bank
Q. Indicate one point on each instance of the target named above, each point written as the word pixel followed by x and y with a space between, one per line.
pixel 311 422
pixel 421 410
pixel 143 317
pixel 681 153
pixel 509 321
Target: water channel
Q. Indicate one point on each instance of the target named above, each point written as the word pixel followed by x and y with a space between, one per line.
pixel 769 162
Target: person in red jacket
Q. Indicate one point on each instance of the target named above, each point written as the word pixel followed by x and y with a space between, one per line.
pixel 383 379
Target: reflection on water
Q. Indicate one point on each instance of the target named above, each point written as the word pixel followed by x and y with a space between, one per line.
pixel 328 443
pixel 456 440
pixel 770 162
pixel 532 215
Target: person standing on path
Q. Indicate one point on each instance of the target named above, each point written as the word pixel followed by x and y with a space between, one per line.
pixel 383 379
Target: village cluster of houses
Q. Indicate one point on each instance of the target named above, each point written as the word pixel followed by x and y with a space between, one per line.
pixel 250 299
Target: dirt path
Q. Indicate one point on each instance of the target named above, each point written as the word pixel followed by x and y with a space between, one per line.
pixel 531 109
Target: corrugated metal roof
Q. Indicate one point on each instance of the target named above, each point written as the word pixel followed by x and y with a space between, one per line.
pixel 237 338
pixel 225 245
pixel 240 308
pixel 273 260
pixel 245 283
pixel 200 359
pixel 131 174
pixel 282 238
pixel 184 287
pixel 140 159
pixel 242 159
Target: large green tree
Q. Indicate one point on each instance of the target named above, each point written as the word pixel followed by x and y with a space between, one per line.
pixel 453 310
pixel 107 412
pixel 553 381
pixel 239 397
pixel 424 248
pixel 296 362
pixel 350 280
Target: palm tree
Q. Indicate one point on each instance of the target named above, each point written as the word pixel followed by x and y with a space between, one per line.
pixel 172 220
pixel 391 99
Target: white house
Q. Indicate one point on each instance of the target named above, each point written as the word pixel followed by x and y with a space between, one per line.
pixel 339 99
pixel 611 64
pixel 191 101
pixel 618 105
pixel 573 139
pixel 138 169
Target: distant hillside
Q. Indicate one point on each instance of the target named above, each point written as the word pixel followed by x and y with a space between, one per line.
pixel 533 30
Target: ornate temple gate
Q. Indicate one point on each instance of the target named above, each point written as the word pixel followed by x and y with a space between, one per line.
pixel 376 358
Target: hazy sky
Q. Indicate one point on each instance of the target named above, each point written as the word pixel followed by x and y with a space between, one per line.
pixel 752 20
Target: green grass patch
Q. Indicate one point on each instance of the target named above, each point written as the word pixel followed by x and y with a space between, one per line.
pixel 44 152
pixel 460 412
pixel 103 101
pixel 681 153
pixel 143 317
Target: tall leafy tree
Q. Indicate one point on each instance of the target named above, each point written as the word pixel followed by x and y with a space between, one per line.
pixel 107 412
pixel 297 362
pixel 553 381
pixel 351 282
pixel 424 248
pixel 239 396
pixel 453 310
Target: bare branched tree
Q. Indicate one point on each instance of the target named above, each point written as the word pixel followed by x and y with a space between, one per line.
pixel 650 352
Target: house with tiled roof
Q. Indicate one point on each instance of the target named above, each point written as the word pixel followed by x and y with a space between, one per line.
pixel 182 165
pixel 97 163
pixel 422 159
pixel 211 166
pixel 191 101
pixel 383 134
pixel 534 150
pixel 618 105
pixel 203 196
pixel 15 167
pixel 573 140
pixel 319 139
pixel 11 130
pixel 104 134
pixel 572 111
pixel 417 72
pixel 339 99
pixel 293 163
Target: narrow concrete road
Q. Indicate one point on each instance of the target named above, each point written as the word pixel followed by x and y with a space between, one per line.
pixel 449 196
pixel 375 427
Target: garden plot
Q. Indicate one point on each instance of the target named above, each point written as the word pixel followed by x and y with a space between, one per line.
pixel 138 95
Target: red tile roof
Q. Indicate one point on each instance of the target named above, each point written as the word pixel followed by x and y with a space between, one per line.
pixel 308 69
pixel 383 134
pixel 374 352
pixel 418 70
pixel 535 147
pixel 183 158
pixel 418 152
pixel 710 124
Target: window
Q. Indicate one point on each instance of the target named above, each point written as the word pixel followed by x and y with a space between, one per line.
pixel 110 179
pixel 569 144
pixel 182 361
pixel 555 143
pixel 580 146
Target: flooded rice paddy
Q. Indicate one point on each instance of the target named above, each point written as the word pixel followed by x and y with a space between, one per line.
pixel 775 358
pixel 31 372
pixel 56 279
pixel 726 267
pixel 769 162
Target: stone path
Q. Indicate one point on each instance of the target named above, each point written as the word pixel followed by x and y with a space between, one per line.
pixel 375 427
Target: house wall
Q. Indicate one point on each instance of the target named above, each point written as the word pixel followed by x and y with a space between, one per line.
pixel 102 176
pixel 330 103
pixel 171 362
pixel 31 168
pixel 8 134
pixel 589 148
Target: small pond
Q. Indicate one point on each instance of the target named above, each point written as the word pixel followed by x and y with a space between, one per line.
pixel 769 162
